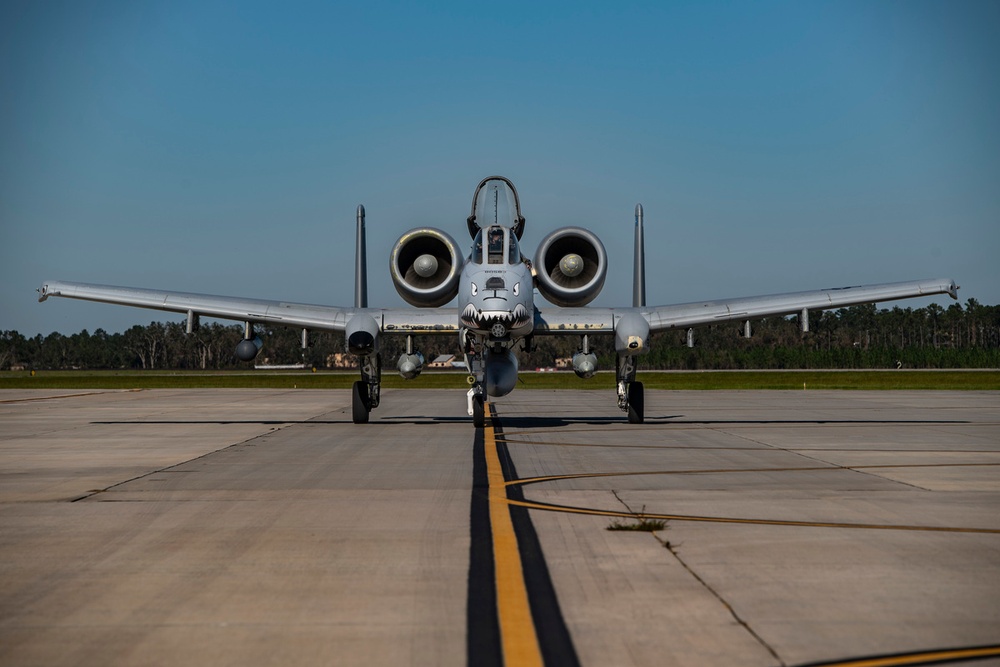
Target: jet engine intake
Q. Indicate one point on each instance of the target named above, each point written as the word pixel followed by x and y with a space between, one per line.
pixel 570 267
pixel 425 265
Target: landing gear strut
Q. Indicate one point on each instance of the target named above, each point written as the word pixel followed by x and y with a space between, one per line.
pixel 474 361
pixel 367 391
pixel 631 397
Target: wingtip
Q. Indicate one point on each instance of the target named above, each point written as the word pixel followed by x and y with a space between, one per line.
pixel 953 290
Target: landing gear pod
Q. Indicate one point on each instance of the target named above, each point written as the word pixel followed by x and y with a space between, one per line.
pixel 632 335
pixel 362 335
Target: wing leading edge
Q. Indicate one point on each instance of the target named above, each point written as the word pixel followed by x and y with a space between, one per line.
pixel 444 320
pixel 684 315
pixel 262 311
pixel 707 312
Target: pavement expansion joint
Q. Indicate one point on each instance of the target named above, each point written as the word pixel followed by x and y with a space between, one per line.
pixel 708 587
pixel 171 468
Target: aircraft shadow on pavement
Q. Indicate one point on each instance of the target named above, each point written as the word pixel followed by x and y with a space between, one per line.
pixel 224 422
pixel 678 420
pixel 544 422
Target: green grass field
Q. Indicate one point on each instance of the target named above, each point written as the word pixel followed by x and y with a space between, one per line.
pixel 978 380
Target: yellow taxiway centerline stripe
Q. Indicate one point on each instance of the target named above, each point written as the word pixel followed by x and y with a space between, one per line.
pixel 517 628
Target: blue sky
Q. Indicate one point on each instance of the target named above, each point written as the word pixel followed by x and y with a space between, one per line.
pixel 222 147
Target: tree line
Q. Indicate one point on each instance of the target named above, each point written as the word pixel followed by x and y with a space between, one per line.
pixel 856 337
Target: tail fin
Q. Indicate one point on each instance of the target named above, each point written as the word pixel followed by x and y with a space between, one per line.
pixel 639 263
pixel 361 264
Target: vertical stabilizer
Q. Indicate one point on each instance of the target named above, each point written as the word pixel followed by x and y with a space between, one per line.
pixel 639 263
pixel 361 264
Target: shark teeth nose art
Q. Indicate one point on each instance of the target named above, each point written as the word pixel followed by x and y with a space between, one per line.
pixel 484 320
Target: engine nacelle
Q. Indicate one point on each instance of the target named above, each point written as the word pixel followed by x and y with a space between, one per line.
pixel 425 265
pixel 248 349
pixel 570 267
pixel 410 365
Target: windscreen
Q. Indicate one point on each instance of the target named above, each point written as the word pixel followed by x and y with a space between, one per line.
pixel 494 238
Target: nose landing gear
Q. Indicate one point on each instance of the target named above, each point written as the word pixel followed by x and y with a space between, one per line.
pixel 474 361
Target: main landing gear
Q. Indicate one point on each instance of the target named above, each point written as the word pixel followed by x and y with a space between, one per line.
pixel 631 397
pixel 367 391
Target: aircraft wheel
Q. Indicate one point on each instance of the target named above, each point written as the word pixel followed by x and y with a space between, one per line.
pixel 478 411
pixel 359 402
pixel 636 407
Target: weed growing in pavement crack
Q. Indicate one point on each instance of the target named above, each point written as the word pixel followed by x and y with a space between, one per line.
pixel 641 523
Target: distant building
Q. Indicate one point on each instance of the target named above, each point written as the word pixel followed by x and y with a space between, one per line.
pixel 341 360
pixel 442 361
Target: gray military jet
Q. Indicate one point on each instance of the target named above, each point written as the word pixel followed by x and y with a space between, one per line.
pixel 496 310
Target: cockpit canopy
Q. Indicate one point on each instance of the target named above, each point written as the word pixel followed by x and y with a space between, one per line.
pixel 500 246
pixel 495 202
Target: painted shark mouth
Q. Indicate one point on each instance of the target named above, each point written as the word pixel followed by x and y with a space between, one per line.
pixel 485 320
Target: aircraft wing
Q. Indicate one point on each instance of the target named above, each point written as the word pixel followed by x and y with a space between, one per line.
pixel 307 316
pixel 708 312
pixel 445 320
pixel 603 320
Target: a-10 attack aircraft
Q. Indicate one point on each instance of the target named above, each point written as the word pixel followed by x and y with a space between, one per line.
pixel 496 311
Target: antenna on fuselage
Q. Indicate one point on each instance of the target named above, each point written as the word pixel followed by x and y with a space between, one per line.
pixel 639 263
pixel 361 264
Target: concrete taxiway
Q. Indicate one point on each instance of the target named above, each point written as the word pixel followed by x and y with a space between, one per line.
pixel 258 527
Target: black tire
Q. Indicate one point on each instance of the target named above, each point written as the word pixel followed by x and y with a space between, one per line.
pixel 359 402
pixel 636 403
pixel 478 411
